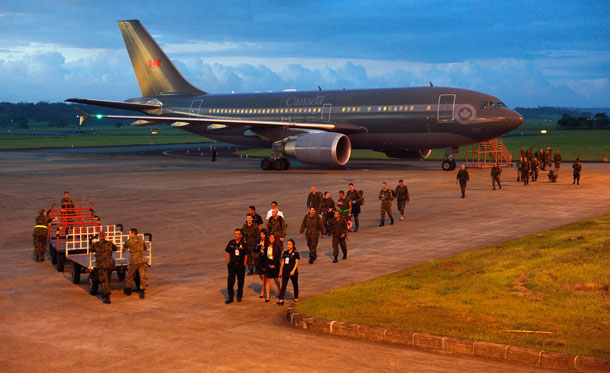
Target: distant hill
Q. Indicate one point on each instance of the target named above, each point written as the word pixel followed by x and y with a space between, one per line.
pixel 556 113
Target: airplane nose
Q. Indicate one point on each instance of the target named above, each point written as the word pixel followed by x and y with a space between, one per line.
pixel 514 120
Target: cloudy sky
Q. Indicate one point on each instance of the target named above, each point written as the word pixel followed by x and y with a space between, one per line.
pixel 527 53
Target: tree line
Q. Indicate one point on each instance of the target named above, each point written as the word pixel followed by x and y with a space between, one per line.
pixel 599 122
pixel 24 115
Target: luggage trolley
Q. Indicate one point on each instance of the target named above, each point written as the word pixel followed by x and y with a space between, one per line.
pixel 83 259
pixel 66 218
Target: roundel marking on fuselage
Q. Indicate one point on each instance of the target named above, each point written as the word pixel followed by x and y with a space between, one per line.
pixel 464 113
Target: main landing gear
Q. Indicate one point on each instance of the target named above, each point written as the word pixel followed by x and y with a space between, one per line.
pixel 449 164
pixel 277 164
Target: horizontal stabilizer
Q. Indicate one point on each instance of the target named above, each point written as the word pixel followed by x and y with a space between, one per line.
pixel 117 104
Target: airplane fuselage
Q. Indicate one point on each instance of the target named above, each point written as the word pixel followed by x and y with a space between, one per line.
pixel 389 119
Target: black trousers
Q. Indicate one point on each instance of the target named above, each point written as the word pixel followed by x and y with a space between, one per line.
pixel 239 272
pixel 295 284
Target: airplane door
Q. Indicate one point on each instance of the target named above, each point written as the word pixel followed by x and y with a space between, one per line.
pixel 446 105
pixel 326 112
pixel 195 105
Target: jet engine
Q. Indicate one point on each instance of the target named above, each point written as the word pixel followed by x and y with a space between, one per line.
pixel 323 149
pixel 409 154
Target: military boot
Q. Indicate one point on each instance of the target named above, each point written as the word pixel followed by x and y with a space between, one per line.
pixel 391 221
pixel 42 258
pixel 335 260
pixel 106 298
pixel 127 291
pixel 37 258
pixel 382 223
pixel 143 294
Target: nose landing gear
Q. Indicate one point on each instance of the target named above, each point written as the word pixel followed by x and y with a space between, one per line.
pixel 448 163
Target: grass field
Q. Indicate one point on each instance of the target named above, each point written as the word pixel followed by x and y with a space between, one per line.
pixel 556 282
pixel 586 145
pixel 100 137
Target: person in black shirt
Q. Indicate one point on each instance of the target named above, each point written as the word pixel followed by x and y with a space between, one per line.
pixel 255 217
pixel 289 270
pixel 271 259
pixel 237 255
pixel 260 265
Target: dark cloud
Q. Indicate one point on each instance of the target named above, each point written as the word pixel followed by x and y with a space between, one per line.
pixel 528 53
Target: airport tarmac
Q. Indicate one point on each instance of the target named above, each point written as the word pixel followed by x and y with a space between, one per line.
pixel 191 205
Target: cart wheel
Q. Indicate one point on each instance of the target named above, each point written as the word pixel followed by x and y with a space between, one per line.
pixel 136 279
pixel 121 274
pixel 53 253
pixel 93 282
pixel 75 273
pixel 61 261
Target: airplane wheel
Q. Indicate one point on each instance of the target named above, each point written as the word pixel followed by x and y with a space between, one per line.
pixel 446 165
pixel 121 274
pixel 279 164
pixel 453 165
pixel 266 164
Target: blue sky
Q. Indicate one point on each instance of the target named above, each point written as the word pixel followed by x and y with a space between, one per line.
pixel 527 53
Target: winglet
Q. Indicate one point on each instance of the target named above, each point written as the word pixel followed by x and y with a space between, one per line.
pixel 82 116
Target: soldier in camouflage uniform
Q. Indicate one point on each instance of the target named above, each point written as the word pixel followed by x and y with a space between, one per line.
pixel 354 198
pixel 344 206
pixel 525 172
pixel 314 199
pixel 251 232
pixel 339 232
pixel 312 226
pixel 276 225
pixel 66 202
pixel 386 198
pixel 40 234
pixel 328 211
pixel 402 198
pixel 535 168
pixel 576 170
pixel 104 264
pixel 463 178
pixel 557 159
pixel 548 157
pixel 496 171
pixel 137 263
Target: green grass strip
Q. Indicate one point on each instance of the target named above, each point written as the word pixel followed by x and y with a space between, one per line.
pixel 555 281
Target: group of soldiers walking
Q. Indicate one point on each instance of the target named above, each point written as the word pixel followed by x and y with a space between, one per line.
pixel 103 249
pixel 260 251
pixel 528 168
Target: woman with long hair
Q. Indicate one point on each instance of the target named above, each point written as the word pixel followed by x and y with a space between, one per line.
pixel 260 264
pixel 272 257
pixel 289 271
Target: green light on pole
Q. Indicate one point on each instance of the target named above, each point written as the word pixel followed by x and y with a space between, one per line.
pixel 99 116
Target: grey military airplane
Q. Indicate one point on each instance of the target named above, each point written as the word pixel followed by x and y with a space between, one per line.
pixel 317 127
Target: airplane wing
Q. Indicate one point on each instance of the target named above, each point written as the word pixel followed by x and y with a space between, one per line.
pixel 117 104
pixel 148 120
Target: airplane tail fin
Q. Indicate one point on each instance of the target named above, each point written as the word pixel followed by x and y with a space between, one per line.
pixel 155 72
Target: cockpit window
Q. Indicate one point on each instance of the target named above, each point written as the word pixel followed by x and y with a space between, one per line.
pixel 490 104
